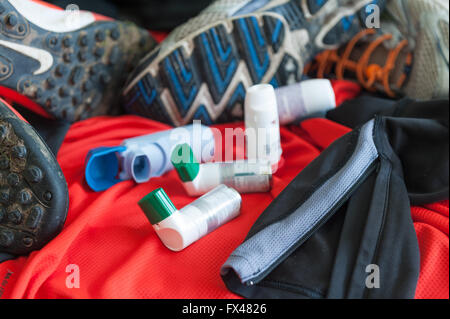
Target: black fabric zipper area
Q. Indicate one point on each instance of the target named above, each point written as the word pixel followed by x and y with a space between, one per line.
pixel 372 167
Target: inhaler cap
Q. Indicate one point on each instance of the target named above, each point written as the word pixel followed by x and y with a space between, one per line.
pixel 157 206
pixel 261 112
pixel 318 95
pixel 185 163
pixel 102 167
pixel 260 104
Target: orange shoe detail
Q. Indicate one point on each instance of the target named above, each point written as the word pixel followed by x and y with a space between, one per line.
pixel 367 74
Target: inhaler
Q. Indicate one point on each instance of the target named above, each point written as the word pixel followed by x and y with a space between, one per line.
pixel 143 157
pixel 177 229
pixel 304 99
pixel 198 179
pixel 262 127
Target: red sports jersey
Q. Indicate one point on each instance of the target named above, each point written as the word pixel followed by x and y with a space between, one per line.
pixel 118 254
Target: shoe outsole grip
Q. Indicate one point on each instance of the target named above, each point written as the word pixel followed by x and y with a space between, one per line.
pixel 33 191
pixel 87 67
pixel 205 75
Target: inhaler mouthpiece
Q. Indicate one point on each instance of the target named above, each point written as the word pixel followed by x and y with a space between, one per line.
pixel 141 168
pixel 143 157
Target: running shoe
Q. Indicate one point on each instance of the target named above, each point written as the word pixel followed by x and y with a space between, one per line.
pixel 33 191
pixel 66 64
pixel 408 55
pixel 202 70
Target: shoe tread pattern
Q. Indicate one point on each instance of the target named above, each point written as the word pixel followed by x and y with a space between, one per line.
pixel 215 59
pixel 89 65
pixel 33 191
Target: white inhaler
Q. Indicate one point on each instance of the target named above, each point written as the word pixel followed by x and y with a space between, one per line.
pixel 177 229
pixel 304 99
pixel 198 179
pixel 262 127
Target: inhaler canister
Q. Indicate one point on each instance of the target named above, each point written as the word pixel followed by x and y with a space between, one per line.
pixel 262 127
pixel 177 229
pixel 304 99
pixel 244 176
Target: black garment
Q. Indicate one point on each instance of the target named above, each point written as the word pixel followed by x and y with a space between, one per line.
pixel 430 119
pixel 104 7
pixel 162 15
pixel 349 210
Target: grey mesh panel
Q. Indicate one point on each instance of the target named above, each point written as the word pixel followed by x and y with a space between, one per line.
pixel 266 247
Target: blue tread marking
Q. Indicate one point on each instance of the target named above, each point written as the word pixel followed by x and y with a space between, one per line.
pixel 257 32
pixel 202 114
pixel 239 93
pixel 185 101
pixel 276 32
pixel 187 76
pixel 274 82
pixel 148 99
pixel 223 55
pixel 221 83
pixel 293 14
pixel 260 69
pixel 347 22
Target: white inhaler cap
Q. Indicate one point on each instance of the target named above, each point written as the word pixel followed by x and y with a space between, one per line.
pixel 318 95
pixel 304 99
pixel 262 124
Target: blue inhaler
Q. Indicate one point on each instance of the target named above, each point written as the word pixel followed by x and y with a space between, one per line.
pixel 143 157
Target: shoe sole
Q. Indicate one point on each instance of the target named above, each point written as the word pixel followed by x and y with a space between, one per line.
pixel 33 191
pixel 88 66
pixel 206 75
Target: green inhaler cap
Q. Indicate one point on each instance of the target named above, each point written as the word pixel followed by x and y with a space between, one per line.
pixel 185 163
pixel 157 206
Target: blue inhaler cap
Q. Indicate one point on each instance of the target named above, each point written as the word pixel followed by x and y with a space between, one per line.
pixel 102 167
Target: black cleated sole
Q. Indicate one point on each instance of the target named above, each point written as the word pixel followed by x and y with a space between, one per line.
pixel 33 192
pixel 88 70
